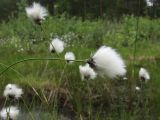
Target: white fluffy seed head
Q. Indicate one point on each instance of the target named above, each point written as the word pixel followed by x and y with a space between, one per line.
pixel 9 113
pixel 144 75
pixel 125 78
pixel 138 88
pixel 69 57
pixel 108 62
pixel 56 45
pixel 13 91
pixel 36 12
pixel 149 3
pixel 87 72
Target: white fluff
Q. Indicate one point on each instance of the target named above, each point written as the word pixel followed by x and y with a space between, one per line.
pixel 138 88
pixel 13 90
pixel 125 78
pixel 149 3
pixel 69 56
pixel 36 12
pixel 108 62
pixel 56 45
pixel 87 72
pixel 9 113
pixel 144 75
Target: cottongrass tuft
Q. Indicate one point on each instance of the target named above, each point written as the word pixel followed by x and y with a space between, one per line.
pixel 149 3
pixel 36 12
pixel 108 62
pixel 125 78
pixel 12 91
pixel 69 57
pixel 138 88
pixel 56 45
pixel 9 113
pixel 87 72
pixel 144 75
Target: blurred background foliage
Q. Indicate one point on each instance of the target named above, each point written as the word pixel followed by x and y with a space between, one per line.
pixel 86 9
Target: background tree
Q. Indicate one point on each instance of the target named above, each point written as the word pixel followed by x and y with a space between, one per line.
pixel 112 9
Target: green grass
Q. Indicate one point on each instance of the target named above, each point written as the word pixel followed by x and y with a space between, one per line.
pixel 96 99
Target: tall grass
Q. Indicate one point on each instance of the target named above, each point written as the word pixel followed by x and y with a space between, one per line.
pixel 59 89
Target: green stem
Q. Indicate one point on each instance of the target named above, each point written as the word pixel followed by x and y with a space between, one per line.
pixel 32 117
pixel 59 84
pixel 12 69
pixel 135 43
pixel 36 59
pixel 134 56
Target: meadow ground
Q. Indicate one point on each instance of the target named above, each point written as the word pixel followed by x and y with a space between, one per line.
pixel 56 87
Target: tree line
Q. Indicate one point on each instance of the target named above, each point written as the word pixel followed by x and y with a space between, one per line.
pixel 89 8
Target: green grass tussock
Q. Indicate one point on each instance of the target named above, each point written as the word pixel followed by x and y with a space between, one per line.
pixel 57 82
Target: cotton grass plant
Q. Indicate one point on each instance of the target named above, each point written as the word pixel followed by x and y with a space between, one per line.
pixel 56 45
pixel 144 75
pixel 12 91
pixel 137 88
pixel 69 57
pixel 9 113
pixel 149 3
pixel 87 72
pixel 36 13
pixel 108 62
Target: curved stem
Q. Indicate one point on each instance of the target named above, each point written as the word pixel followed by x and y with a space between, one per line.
pixel 36 59
pixel 12 69
pixel 23 77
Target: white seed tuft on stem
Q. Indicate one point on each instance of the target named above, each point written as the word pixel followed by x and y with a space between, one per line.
pixel 87 72
pixel 107 61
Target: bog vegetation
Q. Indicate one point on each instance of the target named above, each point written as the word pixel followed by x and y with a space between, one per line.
pixel 61 88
